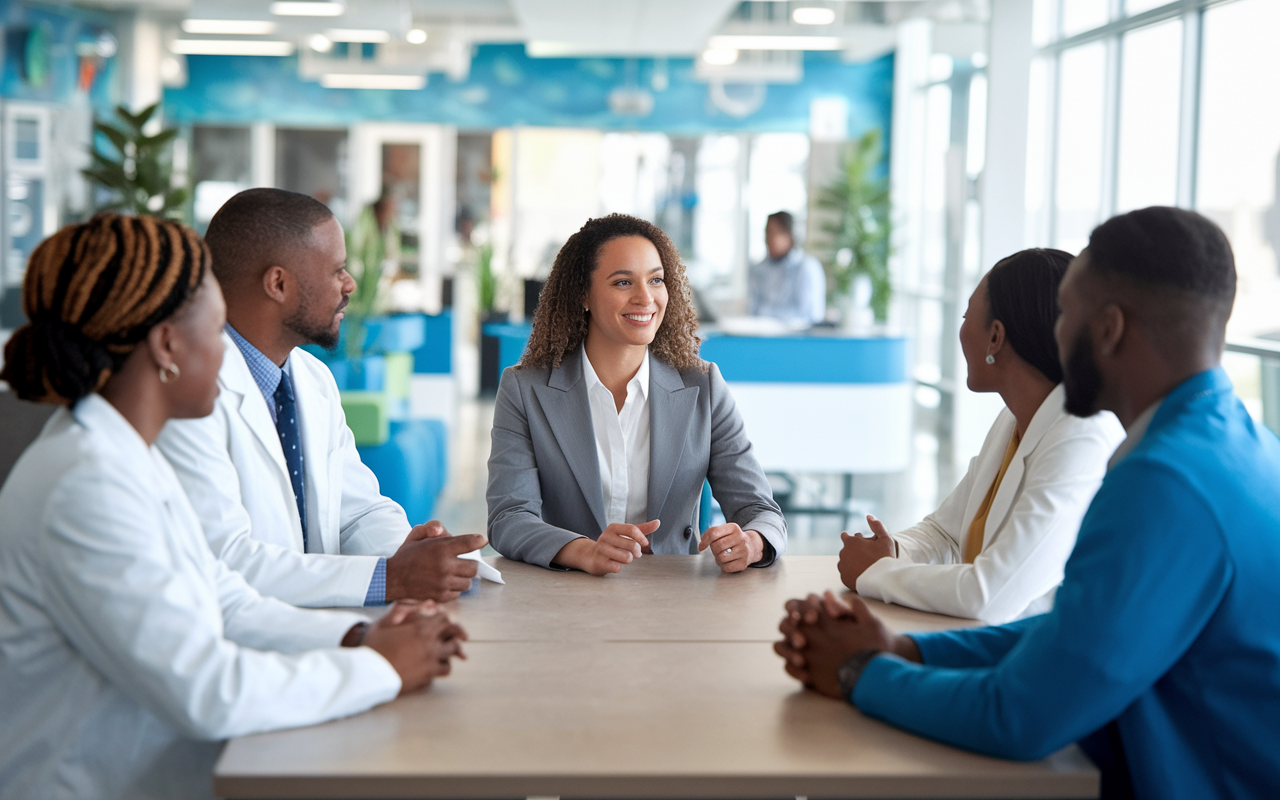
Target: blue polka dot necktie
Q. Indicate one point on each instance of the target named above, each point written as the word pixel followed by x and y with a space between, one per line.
pixel 291 443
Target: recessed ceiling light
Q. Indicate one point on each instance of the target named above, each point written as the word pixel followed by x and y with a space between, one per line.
pixel 416 36
pixel 231 47
pixel 358 35
pixel 720 56
pixel 765 42
pixel 319 42
pixel 813 16
pixel 291 9
pixel 230 27
pixel 372 81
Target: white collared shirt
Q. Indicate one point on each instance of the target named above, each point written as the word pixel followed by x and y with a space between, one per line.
pixel 622 444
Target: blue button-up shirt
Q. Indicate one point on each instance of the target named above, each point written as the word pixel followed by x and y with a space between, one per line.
pixel 267 374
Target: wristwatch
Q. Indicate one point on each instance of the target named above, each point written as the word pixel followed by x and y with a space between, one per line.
pixel 851 670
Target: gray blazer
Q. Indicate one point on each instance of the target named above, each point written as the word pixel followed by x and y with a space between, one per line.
pixel 544 478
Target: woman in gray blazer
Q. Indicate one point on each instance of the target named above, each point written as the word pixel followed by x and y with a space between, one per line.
pixel 606 429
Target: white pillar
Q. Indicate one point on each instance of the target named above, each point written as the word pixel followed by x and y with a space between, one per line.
pixel 1004 176
pixel 142 45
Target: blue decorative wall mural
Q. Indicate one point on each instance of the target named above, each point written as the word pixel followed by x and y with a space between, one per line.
pixel 506 87
pixel 53 54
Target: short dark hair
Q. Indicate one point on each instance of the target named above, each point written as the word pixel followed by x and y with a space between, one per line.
pixel 782 219
pixel 1022 292
pixel 1174 268
pixel 257 228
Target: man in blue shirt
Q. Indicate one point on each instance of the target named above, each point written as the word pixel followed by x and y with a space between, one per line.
pixel 789 284
pixel 1162 653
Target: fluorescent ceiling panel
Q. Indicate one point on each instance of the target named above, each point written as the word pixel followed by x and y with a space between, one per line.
pixel 231 47
pixel 372 81
pixel 767 42
pixel 292 9
pixel 620 27
pixel 357 35
pixel 229 27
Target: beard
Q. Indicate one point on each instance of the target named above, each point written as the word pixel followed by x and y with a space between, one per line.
pixel 314 326
pixel 1080 377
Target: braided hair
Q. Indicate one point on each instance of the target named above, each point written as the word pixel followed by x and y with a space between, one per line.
pixel 92 292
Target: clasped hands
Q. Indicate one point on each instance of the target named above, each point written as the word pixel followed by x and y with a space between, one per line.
pixel 619 544
pixel 819 634
pixel 417 638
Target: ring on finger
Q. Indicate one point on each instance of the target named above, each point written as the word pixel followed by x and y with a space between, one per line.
pixel 728 550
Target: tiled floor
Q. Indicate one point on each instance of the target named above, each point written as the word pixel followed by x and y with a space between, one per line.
pixel 900 500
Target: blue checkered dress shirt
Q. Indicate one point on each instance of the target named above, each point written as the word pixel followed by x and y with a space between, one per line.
pixel 267 375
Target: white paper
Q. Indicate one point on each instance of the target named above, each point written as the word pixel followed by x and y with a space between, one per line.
pixel 486 571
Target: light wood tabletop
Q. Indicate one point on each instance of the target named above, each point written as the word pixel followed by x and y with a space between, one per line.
pixel 658 682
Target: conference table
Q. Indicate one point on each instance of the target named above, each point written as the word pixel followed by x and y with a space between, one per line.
pixel 658 682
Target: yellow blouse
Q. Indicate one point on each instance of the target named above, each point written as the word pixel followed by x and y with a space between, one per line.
pixel 973 544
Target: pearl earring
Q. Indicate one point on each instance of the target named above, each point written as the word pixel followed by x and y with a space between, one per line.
pixel 991 359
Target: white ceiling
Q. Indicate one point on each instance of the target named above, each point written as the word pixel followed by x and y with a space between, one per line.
pixel 620 27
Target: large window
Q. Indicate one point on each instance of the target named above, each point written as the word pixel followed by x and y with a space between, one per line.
pixel 1140 102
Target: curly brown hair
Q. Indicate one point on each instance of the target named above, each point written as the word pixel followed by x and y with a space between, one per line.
pixel 560 324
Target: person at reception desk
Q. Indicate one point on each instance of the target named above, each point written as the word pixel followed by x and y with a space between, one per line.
pixel 605 431
pixel 995 548
pixel 790 284
pixel 127 650
pixel 274 472
pixel 1161 655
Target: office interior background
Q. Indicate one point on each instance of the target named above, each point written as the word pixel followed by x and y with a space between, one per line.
pixel 495 128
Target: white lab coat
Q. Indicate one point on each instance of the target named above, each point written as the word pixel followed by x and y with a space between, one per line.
pixel 1031 525
pixel 126 649
pixel 233 469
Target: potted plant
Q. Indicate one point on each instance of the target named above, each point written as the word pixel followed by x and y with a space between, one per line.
pixel 857 229
pixel 138 176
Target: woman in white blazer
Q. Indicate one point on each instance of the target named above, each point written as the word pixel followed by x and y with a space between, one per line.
pixel 995 549
pixel 127 650
pixel 606 430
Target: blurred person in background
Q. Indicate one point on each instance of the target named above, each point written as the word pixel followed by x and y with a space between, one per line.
pixel 789 285
pixel 127 650
pixel 995 548
pixel 605 431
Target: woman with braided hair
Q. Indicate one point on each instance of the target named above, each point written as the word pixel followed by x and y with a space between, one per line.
pixel 605 431
pixel 126 649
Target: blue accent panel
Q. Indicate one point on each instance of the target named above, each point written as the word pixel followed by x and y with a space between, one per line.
pixel 400 333
pixel 367 374
pixel 435 356
pixel 808 359
pixel 512 339
pixel 506 87
pixel 412 466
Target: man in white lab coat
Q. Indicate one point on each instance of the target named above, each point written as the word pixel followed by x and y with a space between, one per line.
pixel 273 473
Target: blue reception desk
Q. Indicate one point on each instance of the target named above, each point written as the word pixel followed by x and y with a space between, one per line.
pixel 820 402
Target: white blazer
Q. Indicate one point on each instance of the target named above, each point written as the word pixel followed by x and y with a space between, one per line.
pixel 233 469
pixel 1031 525
pixel 126 649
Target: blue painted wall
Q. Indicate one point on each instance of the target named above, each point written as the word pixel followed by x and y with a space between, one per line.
pixel 507 87
pixel 41 61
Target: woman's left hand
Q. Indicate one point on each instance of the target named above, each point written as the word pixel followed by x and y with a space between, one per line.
pixel 734 548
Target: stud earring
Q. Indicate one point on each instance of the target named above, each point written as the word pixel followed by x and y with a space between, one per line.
pixel 991 359
pixel 170 373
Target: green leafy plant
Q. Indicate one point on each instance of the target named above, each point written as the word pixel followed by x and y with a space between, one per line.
pixel 366 250
pixel 139 173
pixel 858 227
pixel 486 283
